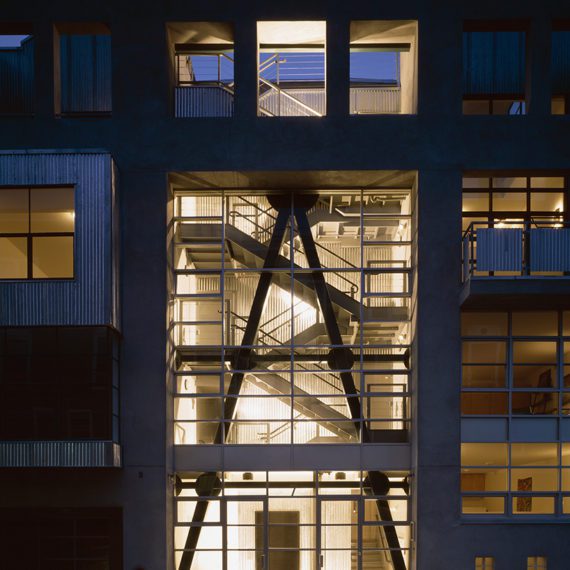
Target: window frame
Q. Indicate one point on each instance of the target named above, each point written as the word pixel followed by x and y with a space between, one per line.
pixel 30 235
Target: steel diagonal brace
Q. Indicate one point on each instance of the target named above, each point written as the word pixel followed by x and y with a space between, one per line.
pixel 342 358
pixel 242 361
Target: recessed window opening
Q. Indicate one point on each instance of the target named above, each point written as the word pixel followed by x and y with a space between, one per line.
pixel 16 70
pixel 536 563
pixel 484 563
pixel 291 69
pixel 37 229
pixel 494 69
pixel 203 55
pixel 383 67
pixel 560 68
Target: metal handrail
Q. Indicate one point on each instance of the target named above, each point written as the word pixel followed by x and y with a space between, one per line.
pixel 310 110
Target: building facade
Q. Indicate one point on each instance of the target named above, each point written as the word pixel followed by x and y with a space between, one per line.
pixel 284 287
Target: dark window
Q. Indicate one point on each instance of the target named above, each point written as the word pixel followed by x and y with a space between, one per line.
pixel 58 383
pixel 61 539
pixel 16 70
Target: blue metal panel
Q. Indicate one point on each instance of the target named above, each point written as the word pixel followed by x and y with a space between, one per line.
pixel 17 79
pixel 499 249
pixel 493 63
pixel 202 101
pixel 60 454
pixel 85 73
pixel 561 62
pixel 550 249
pixel 88 299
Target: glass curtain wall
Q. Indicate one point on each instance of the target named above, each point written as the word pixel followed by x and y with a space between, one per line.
pixel 264 352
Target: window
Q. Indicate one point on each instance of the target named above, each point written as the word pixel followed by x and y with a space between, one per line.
pixel 515 479
pixel 383 72
pixel 61 538
pixel 292 392
pixel 513 364
pixel 560 69
pixel 291 69
pixel 536 563
pixel 203 56
pixel 484 563
pixel 83 69
pixel 16 70
pixel 291 519
pixel 37 228
pixel 522 216
pixel 58 383
pixel 493 69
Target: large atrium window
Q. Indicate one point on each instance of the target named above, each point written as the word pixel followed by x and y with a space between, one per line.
pixel 37 228
pixel 291 69
pixel 16 70
pixel 383 67
pixel 285 520
pixel 515 225
pixel 203 58
pixel 494 69
pixel 291 316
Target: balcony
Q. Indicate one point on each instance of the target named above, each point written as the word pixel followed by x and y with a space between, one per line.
pixel 509 265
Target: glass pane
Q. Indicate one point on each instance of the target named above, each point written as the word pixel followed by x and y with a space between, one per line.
pixel 535 324
pixel 525 505
pixel 475 182
pixel 484 403
pixel 52 210
pixel 547 182
pixel 481 480
pixel 539 352
pixel 534 454
pixel 484 324
pixel 475 202
pixel 509 201
pixel 509 182
pixel 483 454
pixel 530 376
pixel 52 257
pixel 547 202
pixel 534 479
pixel 480 376
pixel 13 210
pixel 487 352
pixel 481 506
pixel 13 258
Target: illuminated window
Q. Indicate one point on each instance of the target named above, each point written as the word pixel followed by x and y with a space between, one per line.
pixel 514 479
pixel 493 70
pixel 16 71
pixel 37 227
pixel 291 69
pixel 383 71
pixel 290 518
pixel 294 390
pixel 484 563
pixel 536 563
pixel 524 214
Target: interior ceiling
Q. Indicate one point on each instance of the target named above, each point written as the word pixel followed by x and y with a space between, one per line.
pixel 297 180
pixel 301 32
pixel 382 31
pixel 201 32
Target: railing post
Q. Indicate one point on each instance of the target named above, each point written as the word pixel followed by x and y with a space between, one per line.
pixel 526 249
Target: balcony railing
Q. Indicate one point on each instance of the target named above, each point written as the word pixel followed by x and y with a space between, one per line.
pixel 521 249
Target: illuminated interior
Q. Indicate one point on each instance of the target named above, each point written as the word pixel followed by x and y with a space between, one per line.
pixel 293 519
pixel 292 390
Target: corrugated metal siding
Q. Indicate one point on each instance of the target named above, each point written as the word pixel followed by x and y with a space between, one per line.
pixel 561 62
pixel 60 454
pixel 493 62
pixel 499 249
pixel 86 300
pixel 85 73
pixel 549 249
pixel 199 101
pixel 375 100
pixel 17 79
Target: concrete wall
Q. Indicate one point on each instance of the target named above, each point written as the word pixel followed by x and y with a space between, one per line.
pixel 146 142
